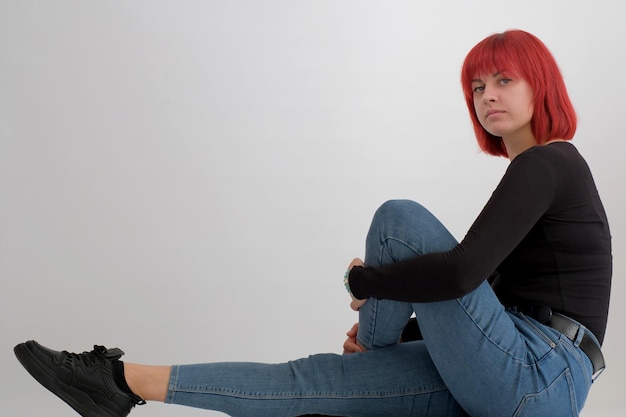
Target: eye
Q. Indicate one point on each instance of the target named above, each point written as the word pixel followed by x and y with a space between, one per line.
pixel 505 81
pixel 479 89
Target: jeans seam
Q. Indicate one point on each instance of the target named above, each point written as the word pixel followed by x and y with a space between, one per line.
pixel 566 374
pixel 307 394
pixel 370 336
pixel 486 335
pixel 549 340
pixel 384 245
pixel 581 358
pixel 172 383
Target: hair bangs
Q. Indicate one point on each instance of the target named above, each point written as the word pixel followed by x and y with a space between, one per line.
pixel 491 56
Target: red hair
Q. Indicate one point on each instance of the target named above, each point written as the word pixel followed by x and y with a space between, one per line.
pixel 522 55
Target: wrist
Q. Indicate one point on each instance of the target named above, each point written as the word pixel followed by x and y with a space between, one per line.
pixel 346 278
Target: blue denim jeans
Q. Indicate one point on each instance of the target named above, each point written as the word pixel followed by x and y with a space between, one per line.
pixel 476 358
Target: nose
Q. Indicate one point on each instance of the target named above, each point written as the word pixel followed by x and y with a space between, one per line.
pixel 489 94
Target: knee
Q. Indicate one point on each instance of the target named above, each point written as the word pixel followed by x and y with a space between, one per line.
pixel 411 223
pixel 396 211
pixel 391 217
pixel 396 232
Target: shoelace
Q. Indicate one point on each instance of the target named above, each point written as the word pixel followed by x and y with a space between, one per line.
pixel 99 354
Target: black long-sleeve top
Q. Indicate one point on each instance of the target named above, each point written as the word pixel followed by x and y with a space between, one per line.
pixel 544 231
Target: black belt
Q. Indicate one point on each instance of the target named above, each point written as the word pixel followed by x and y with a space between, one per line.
pixel 568 328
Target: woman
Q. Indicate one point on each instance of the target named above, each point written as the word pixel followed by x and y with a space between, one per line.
pixel 512 317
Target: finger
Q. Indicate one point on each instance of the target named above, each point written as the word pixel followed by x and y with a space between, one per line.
pixel 353 331
pixel 356 304
pixel 348 347
pixel 351 346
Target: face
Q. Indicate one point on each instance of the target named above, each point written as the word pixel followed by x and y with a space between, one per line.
pixel 504 106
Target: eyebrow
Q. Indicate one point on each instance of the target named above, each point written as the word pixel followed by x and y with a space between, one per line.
pixel 495 74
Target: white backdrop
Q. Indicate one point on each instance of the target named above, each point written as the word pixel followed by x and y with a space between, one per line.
pixel 188 180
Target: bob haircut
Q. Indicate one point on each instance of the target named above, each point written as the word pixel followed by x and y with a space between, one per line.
pixel 523 55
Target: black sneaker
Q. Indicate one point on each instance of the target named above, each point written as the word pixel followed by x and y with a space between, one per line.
pixel 84 381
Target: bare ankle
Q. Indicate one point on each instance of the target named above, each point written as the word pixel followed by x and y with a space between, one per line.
pixel 147 382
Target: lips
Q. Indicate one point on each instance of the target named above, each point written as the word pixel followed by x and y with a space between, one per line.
pixel 493 112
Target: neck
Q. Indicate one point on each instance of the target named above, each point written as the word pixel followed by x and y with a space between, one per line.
pixel 515 146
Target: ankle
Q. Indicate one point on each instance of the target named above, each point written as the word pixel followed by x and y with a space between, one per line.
pixel 119 376
pixel 147 382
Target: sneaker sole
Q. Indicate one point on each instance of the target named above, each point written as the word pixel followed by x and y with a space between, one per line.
pixel 78 400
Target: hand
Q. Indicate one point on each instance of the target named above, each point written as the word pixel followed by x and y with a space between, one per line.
pixel 351 345
pixel 356 304
pixel 355 262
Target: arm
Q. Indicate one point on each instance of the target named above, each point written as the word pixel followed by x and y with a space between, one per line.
pixel 522 197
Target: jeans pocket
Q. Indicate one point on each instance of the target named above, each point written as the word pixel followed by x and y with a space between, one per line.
pixel 556 400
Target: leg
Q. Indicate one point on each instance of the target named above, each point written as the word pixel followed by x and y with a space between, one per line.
pixel 496 362
pixel 148 382
pixel 399 380
pixel 400 229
